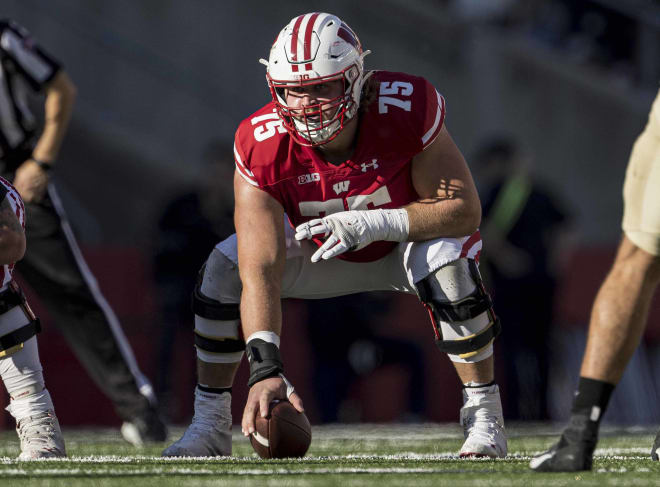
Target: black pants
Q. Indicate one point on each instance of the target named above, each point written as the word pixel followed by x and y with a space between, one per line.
pixel 54 267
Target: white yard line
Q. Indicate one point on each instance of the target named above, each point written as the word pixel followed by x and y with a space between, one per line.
pixel 148 471
pixel 613 453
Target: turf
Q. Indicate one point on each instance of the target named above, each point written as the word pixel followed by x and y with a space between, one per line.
pixel 346 455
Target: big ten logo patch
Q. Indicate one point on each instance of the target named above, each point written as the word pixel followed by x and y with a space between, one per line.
pixel 308 178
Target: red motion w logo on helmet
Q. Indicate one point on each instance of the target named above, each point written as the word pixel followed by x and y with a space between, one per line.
pixel 307 41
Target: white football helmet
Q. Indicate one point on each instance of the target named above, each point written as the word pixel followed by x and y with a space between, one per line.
pixel 316 48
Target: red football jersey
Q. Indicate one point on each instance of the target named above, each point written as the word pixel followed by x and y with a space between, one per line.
pixel 16 203
pixel 403 120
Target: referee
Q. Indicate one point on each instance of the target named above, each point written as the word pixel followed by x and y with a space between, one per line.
pixel 53 264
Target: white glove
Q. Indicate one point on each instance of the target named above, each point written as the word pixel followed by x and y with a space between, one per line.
pixel 353 230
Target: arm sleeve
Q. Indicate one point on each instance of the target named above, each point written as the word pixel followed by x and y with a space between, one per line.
pixel 37 66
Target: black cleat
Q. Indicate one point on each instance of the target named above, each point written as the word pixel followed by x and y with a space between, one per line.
pixel 573 452
pixel 147 428
pixel 656 448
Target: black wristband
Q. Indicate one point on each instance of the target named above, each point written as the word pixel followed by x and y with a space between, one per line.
pixel 43 165
pixel 590 393
pixel 264 359
pixel 214 390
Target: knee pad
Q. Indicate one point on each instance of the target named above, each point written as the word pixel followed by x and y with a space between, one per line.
pixel 217 328
pixel 461 311
pixel 17 321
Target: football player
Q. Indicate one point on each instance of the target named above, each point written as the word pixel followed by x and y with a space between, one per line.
pixel 30 403
pixel 620 312
pixel 347 181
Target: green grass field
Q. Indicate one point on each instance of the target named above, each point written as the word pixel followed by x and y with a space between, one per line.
pixel 346 455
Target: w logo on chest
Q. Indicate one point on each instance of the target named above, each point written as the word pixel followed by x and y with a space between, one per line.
pixel 341 187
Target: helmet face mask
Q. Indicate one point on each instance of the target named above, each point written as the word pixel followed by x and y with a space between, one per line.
pixel 312 49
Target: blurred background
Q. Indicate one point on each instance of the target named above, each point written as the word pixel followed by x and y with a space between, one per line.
pixel 553 91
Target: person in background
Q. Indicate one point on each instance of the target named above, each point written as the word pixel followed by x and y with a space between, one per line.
pixel 354 347
pixel 191 224
pixel 53 264
pixel 527 230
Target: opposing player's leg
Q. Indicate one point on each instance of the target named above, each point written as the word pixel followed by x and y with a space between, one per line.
pixel 219 352
pixel 618 319
pixel 465 327
pixel 30 403
pixel 619 314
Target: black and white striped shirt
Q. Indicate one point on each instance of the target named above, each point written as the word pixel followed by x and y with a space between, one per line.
pixel 24 67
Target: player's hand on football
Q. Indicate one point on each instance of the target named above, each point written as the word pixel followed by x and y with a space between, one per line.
pixel 31 181
pixel 261 395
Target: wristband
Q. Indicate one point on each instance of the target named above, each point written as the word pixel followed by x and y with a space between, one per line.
pixel 399 224
pixel 392 225
pixel 45 166
pixel 264 359
pixel 266 336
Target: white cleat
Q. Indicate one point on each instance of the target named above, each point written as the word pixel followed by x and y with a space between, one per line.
pixel 483 424
pixel 40 437
pixel 209 434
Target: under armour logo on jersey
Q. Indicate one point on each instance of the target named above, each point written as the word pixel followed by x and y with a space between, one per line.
pixel 308 178
pixel 373 165
pixel 341 187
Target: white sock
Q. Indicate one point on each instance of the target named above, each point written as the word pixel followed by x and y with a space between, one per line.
pixel 21 372
pixel 215 407
pixel 25 406
pixel 474 389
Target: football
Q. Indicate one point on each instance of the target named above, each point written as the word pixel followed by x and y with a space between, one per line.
pixel 285 433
